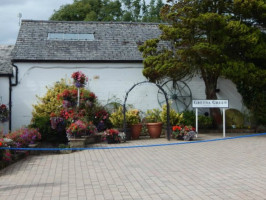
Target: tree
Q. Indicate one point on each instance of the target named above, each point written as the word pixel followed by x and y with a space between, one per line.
pixel 152 11
pixel 202 37
pixel 109 10
pixel 89 10
pixel 250 74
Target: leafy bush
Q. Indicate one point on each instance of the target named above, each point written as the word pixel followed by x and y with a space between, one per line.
pixel 188 118
pixel 234 117
pixel 153 115
pixel 204 121
pixel 133 117
pixel 175 118
pixel 50 103
pixel 48 134
pixel 60 102
pixel 24 136
pixel 117 118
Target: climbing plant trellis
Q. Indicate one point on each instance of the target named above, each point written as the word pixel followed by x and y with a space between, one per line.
pixel 167 104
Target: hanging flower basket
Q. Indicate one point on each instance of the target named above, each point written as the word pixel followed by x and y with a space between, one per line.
pixel 80 79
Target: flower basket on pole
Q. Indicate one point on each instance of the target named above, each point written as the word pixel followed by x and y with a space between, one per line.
pixel 80 80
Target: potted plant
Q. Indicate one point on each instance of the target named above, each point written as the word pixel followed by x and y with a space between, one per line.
pixel 133 120
pixel 77 129
pixel 186 133
pixel 117 119
pixel 111 136
pixel 154 123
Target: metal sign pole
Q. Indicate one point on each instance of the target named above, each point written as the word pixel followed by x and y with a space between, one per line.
pixel 224 122
pixel 197 129
pixel 78 96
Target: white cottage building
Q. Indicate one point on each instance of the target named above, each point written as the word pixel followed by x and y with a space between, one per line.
pixel 106 52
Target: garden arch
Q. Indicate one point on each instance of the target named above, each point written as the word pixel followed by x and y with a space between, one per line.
pixel 167 104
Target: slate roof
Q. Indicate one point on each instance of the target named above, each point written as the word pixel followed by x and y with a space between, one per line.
pixel 5 59
pixel 114 41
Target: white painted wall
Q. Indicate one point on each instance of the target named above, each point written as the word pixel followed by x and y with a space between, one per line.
pixel 105 80
pixel 4 99
pixel 227 91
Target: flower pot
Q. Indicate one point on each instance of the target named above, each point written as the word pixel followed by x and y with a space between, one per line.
pixel 135 131
pixel 154 129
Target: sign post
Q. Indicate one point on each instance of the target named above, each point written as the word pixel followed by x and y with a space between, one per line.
pixel 210 104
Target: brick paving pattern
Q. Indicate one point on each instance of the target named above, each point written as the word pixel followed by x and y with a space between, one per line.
pixel 229 169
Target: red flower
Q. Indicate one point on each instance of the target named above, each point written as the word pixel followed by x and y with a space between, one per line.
pixel 176 128
pixel 52 114
pixel 74 92
pixel 1 144
pixel 66 93
pixel 92 95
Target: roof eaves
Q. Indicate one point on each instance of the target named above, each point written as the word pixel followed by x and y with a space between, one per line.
pixel 76 61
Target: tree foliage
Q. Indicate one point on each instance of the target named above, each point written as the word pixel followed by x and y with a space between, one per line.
pixel 212 38
pixel 109 10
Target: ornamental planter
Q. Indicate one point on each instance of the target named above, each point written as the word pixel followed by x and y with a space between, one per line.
pixel 135 131
pixel 77 142
pixel 154 129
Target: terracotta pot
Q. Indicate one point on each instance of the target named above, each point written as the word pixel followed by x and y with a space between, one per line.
pixel 135 131
pixel 155 129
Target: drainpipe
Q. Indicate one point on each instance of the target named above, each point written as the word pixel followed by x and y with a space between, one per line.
pixel 10 94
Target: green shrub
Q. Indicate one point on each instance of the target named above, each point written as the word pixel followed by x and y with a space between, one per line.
pixel 132 117
pixel 117 118
pixel 50 103
pixel 48 134
pixel 204 121
pixel 234 117
pixel 60 100
pixel 188 118
pixel 175 118
pixel 153 115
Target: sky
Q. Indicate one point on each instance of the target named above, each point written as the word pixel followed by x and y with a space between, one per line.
pixel 30 9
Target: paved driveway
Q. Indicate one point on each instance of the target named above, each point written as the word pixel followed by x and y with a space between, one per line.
pixel 227 169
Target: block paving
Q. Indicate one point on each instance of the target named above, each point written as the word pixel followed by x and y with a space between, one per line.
pixel 224 169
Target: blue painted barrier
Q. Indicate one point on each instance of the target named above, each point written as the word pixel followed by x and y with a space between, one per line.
pixel 135 146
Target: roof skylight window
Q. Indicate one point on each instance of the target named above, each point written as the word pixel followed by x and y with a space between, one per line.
pixel 71 36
